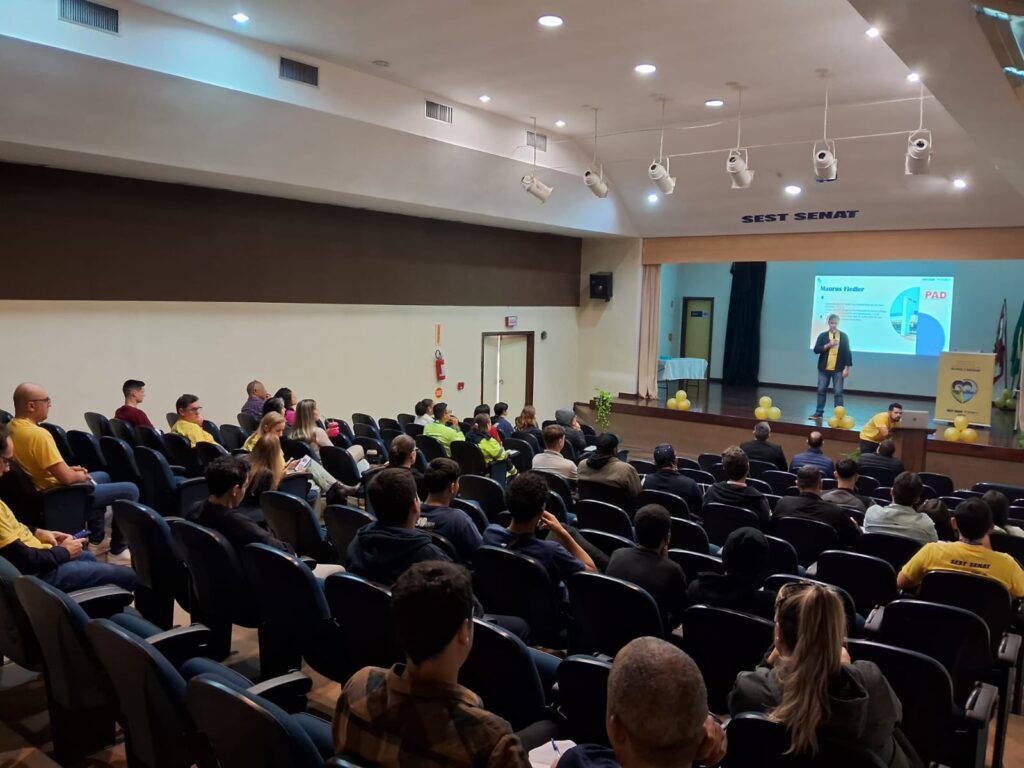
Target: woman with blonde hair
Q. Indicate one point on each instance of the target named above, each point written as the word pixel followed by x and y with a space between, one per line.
pixel 809 684
pixel 267 468
pixel 307 430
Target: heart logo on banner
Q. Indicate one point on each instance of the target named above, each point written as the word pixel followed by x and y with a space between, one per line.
pixel 964 390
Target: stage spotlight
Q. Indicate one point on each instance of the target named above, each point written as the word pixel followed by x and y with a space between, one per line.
pixel 826 165
pixel 659 175
pixel 736 167
pixel 597 186
pixel 536 187
pixel 919 153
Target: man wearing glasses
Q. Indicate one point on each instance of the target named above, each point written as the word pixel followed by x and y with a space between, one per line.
pixel 36 453
pixel 190 421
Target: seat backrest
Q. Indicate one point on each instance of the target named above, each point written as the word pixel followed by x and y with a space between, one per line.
pixel 987 598
pixel 1011 545
pixel 364 418
pixel 534 598
pixel 871 581
pixel 583 697
pixel 724 643
pixel 388 436
pixel 17 640
pixel 607 613
pixel 559 485
pixel 755 740
pixel 211 428
pixel 894 549
pixel 18 493
pixel 470 458
pixel 501 671
pixel 124 431
pixel 120 460
pixel 150 438
pixel 697 475
pixel 218 582
pixel 362 610
pixel 99 425
pixel 695 563
pixel 642 466
pixel 759 467
pixel 60 437
pixel 245 730
pixel 295 484
pixel 234 437
pixel 248 422
pixel 157 489
pixel 293 521
pixel 430 447
pixel 340 464
pixel 866 485
pixel 529 438
pixel 150 694
pixel 675 504
pixel 413 430
pixel 686 534
pixel 474 511
pixel 360 429
pixel 708 460
pixel 611 494
pixel 149 538
pixel 180 451
pixel 73 677
pixel 295 449
pixel 405 418
pixel 602 516
pixel 485 491
pixel 172 418
pixel 285 587
pixel 809 537
pixel 207 452
pixel 685 462
pixel 606 542
pixel 86 448
pixel 778 480
pixel 722 519
pixel 782 556
pixel 343 522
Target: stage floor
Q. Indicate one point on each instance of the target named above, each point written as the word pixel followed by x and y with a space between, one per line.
pixel 798 404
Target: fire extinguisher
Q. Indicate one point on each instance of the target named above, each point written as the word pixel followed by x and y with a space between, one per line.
pixel 439 365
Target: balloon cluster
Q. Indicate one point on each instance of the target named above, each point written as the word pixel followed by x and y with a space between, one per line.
pixel 960 432
pixel 765 410
pixel 1006 401
pixel 681 402
pixel 841 419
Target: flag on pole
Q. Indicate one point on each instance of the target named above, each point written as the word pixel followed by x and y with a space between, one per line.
pixel 1000 345
pixel 1017 351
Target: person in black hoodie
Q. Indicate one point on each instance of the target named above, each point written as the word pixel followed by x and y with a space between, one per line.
pixel 734 490
pixel 671 480
pixel 808 683
pixel 745 557
pixel 384 549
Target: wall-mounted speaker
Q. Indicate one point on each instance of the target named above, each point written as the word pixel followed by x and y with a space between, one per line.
pixel 601 285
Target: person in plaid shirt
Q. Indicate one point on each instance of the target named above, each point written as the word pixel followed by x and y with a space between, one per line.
pixel 416 715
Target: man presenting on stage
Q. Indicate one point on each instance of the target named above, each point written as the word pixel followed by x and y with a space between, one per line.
pixel 834 361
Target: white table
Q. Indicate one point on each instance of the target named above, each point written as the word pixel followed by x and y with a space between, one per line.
pixel 682 368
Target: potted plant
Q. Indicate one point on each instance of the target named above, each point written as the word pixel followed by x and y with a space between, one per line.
pixel 603 407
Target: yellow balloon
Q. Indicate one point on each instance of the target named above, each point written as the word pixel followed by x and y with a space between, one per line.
pixel 681 395
pixel 774 413
pixel 952 434
pixel 961 423
pixel 833 421
pixel 671 404
pixel 968 436
pixel 684 405
pixel 840 411
pixel 765 402
pixel 761 413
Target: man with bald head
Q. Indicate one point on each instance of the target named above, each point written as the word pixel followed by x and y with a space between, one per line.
pixel 36 453
pixel 657 714
pixel 257 395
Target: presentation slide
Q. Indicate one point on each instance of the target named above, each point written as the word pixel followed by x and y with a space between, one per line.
pixel 889 315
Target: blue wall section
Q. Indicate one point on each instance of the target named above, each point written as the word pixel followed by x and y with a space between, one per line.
pixel 978 293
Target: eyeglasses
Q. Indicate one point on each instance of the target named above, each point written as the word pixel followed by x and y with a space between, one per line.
pixel 194 409
pixel 47 400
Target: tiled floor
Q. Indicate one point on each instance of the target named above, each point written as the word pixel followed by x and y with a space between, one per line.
pixel 24 730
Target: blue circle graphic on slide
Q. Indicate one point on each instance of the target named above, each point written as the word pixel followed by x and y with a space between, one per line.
pixel 903 312
pixel 931 336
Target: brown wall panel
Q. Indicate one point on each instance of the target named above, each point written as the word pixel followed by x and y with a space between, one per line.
pixel 69 235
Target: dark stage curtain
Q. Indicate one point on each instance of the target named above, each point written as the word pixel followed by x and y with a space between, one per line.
pixel 743 330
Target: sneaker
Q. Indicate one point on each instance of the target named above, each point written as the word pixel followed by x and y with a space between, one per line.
pixel 99 550
pixel 124 557
pixel 814 416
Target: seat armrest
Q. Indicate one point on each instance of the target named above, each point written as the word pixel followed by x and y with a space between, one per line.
pixel 873 623
pixel 980 704
pixel 286 691
pixel 178 470
pixel 102 602
pixel 539 733
pixel 309 562
pixel 511 453
pixel 1009 649
pixel 180 644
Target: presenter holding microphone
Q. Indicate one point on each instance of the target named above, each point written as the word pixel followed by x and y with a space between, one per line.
pixel 834 361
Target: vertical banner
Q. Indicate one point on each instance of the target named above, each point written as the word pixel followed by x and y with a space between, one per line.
pixel 965 387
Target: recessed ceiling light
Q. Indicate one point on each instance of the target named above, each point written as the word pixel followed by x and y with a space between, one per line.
pixel 872 32
pixel 714 103
pixel 240 17
pixel 381 63
pixel 914 77
pixel 959 183
pixel 550 21
pixel 645 69
pixel 792 189
pixel 652 198
pixel 560 123
pixel 485 98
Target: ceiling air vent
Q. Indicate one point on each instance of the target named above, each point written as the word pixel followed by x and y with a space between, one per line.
pixel 89 15
pixel 299 72
pixel 440 112
pixel 538 140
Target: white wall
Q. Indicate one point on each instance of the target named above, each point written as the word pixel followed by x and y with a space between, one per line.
pixel 701 281
pixel 609 332
pixel 367 358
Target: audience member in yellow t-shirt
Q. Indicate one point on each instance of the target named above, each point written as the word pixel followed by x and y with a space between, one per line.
pixel 55 557
pixel 36 453
pixel 190 421
pixel 972 554
pixel 444 428
pixel 879 427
